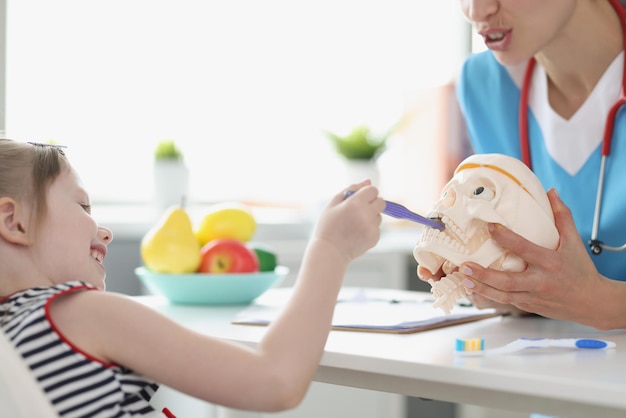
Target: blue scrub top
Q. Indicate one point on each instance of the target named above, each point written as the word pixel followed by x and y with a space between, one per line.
pixel 489 100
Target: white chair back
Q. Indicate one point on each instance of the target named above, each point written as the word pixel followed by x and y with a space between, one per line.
pixel 20 394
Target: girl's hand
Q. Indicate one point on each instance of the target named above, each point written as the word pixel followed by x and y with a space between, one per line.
pixel 352 225
pixel 560 284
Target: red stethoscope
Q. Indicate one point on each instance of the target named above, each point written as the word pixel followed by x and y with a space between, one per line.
pixel 595 245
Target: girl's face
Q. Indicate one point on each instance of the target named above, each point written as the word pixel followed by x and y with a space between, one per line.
pixel 70 245
pixel 516 30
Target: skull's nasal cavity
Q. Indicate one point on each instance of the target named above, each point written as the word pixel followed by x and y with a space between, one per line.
pixel 449 198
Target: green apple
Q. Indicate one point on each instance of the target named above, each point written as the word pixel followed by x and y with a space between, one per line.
pixel 268 260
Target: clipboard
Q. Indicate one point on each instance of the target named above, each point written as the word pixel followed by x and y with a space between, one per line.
pixel 392 316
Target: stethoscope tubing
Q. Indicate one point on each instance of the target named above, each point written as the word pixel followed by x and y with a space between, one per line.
pixel 595 245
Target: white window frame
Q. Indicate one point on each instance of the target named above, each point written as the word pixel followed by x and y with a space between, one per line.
pixel 326 178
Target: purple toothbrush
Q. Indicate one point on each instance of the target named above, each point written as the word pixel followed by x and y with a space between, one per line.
pixel 396 210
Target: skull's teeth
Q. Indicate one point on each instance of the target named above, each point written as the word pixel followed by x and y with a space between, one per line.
pixel 458 242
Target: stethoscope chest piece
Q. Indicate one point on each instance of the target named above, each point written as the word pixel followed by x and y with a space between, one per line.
pixel 595 246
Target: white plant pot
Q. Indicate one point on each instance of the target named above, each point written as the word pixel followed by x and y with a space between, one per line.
pixel 171 180
pixel 359 170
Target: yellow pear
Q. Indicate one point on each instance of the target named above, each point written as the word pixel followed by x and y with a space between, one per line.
pixel 171 246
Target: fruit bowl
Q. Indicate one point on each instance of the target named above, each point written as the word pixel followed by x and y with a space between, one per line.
pixel 211 289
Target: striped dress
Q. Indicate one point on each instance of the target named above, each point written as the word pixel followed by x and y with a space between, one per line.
pixel 77 384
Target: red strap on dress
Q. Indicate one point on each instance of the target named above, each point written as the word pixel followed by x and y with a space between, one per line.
pixel 167 413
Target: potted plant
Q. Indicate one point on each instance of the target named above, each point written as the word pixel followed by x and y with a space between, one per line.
pixel 170 175
pixel 359 144
pixel 360 148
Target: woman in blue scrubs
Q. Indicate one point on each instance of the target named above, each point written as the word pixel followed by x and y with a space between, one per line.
pixel 562 63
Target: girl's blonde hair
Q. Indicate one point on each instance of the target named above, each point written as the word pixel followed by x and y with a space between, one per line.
pixel 27 170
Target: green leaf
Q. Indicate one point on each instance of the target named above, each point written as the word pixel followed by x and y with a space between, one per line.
pixel 166 149
pixel 359 144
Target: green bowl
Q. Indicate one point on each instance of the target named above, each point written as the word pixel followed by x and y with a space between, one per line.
pixel 211 289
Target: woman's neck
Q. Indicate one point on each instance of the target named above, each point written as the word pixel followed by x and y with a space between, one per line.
pixel 577 59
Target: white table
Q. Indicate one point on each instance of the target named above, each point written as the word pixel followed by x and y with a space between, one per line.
pixel 570 383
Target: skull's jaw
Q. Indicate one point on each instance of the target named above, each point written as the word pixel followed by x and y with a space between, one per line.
pixel 447 250
pixel 450 248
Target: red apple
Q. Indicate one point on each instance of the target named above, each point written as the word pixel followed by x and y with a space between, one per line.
pixel 225 255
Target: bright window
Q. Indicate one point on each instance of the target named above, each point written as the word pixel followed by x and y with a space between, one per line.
pixel 245 87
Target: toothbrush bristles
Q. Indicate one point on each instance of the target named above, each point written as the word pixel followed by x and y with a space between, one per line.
pixel 470 344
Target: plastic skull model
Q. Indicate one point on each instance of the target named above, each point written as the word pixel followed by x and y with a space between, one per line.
pixel 486 188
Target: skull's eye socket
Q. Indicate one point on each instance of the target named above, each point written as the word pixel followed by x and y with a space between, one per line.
pixel 483 193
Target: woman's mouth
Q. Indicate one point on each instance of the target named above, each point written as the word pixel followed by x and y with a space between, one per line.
pixel 496 39
pixel 495 36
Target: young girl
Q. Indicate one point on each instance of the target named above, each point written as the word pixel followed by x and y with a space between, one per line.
pixel 102 354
